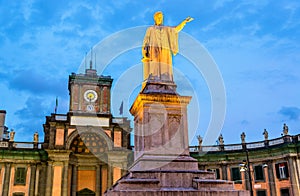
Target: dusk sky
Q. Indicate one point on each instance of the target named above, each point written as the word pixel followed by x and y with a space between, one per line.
pixel 253 48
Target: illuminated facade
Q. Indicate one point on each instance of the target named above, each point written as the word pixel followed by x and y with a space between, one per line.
pixel 273 165
pixel 76 159
pixel 84 151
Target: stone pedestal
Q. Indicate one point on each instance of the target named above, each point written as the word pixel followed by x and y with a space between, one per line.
pixel 160 124
pixel 162 163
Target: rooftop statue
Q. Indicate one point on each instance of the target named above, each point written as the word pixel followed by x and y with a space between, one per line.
pixel 266 134
pixel 159 46
pixel 12 135
pixel 36 137
pixel 243 137
pixel 221 140
pixel 285 129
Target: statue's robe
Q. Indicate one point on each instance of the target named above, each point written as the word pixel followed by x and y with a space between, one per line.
pixel 160 44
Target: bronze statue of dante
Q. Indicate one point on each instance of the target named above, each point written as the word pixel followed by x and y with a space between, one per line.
pixel 159 46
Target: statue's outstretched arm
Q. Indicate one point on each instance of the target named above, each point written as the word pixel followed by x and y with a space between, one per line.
pixel 182 24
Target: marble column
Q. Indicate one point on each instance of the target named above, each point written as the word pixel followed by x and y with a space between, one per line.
pixel 6 179
pixel 74 180
pixel 49 182
pixel 32 179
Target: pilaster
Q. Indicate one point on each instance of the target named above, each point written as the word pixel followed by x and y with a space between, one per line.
pixel 224 172
pixel 109 175
pixel 49 180
pixel 32 179
pixel 271 178
pixel 42 178
pixel 6 179
pixel 293 176
pixel 65 178
pixel 74 180
pixel 52 135
pixel 98 180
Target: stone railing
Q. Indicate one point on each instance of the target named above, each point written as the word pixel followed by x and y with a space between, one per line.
pixel 251 145
pixel 20 145
pixel 206 148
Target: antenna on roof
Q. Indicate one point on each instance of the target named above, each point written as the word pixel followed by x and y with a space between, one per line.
pixel 91 62
pixel 85 60
pixel 56 105
pixel 95 62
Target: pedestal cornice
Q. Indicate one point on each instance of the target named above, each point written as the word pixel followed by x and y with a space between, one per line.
pixel 166 99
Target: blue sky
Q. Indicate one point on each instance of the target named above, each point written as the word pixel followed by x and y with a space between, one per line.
pixel 255 45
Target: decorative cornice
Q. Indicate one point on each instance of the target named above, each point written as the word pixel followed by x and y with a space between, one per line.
pixel 166 99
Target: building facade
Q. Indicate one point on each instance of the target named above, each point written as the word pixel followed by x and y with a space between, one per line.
pixel 266 168
pixel 83 153
pixel 87 150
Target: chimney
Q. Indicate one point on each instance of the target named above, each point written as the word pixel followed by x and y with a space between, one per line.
pixel 2 122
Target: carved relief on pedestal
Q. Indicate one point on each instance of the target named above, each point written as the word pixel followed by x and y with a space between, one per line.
pixel 175 135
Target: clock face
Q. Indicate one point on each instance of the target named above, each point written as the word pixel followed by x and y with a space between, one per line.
pixel 90 96
pixel 90 108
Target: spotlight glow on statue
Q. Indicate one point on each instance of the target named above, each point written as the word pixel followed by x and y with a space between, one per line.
pixel 159 46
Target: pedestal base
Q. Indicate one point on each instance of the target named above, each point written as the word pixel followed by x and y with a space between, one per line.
pixel 164 162
pixel 173 182
pixel 171 176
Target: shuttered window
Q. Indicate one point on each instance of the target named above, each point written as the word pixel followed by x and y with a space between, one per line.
pixel 20 175
pixel 236 175
pixel 259 173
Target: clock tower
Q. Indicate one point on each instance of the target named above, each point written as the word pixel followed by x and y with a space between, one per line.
pixel 89 93
pixel 88 148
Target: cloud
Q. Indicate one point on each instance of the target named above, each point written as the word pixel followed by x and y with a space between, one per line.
pixel 244 122
pixel 30 118
pixel 292 113
pixel 34 107
pixel 293 19
pixel 221 3
pixel 38 83
pixel 3 76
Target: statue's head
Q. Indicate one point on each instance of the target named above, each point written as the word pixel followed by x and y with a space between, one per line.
pixel 158 18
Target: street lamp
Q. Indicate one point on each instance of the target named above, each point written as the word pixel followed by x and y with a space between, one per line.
pixel 245 167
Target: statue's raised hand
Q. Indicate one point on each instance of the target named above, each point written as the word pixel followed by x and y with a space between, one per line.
pixel 189 19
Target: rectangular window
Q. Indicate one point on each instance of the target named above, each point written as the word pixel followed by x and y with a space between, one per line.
pixel 282 170
pixel 261 193
pixel 284 192
pixel 236 175
pixel 216 171
pixel 20 175
pixel 259 173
